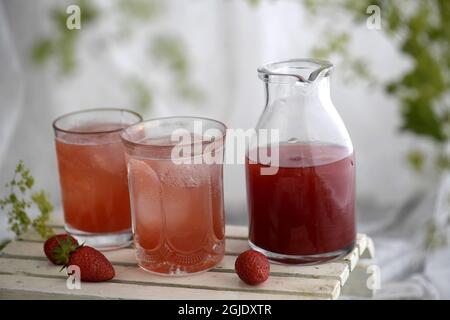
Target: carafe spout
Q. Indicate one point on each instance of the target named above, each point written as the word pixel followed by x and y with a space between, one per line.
pixel 305 71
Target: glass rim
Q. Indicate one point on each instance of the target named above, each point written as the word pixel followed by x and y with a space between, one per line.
pixel 272 69
pixel 57 128
pixel 144 122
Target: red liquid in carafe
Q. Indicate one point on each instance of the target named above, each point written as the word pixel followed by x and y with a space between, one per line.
pixel 308 206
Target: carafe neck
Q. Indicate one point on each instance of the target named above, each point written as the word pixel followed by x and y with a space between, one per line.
pixel 303 93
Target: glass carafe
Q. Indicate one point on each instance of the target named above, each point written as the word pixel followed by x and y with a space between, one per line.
pixel 300 180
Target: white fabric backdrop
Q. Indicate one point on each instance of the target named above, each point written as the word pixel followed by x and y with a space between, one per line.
pixel 227 41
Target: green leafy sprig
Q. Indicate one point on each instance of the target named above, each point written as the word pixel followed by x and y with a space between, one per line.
pixel 21 197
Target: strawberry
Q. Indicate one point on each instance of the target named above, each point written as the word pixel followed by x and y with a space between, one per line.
pixel 252 267
pixel 94 266
pixel 58 247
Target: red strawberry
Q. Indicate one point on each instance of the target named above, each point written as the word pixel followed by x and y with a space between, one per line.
pixel 94 266
pixel 252 267
pixel 57 248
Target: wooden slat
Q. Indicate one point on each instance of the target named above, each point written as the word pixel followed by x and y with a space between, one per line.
pixel 337 271
pixel 352 258
pixel 29 287
pixel 324 288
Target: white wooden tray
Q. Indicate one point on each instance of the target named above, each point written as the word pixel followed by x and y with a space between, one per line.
pixel 25 273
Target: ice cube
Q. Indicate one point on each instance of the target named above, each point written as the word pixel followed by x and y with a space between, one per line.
pixel 186 198
pixel 145 189
pixel 184 175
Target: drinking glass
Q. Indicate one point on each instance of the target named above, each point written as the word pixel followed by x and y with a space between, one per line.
pixel 93 175
pixel 176 187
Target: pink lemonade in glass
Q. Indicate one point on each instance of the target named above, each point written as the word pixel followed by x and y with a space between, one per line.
pixel 178 215
pixel 93 176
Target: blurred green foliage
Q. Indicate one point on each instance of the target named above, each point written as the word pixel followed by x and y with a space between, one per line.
pixel 253 2
pixel 338 42
pixel 63 44
pixel 416 159
pixel 143 95
pixel 435 236
pixel 421 31
pixel 169 51
pixel 140 9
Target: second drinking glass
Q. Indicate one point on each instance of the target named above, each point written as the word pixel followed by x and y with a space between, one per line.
pixel 176 187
